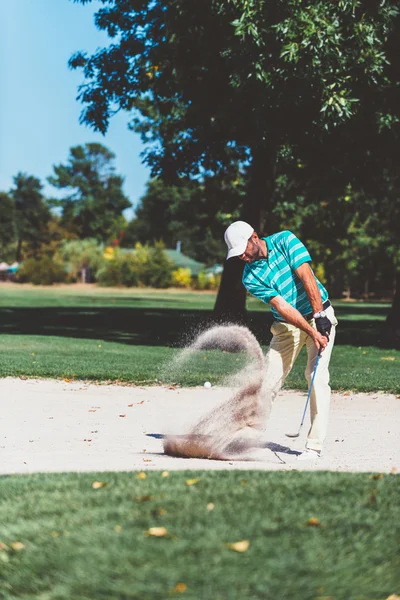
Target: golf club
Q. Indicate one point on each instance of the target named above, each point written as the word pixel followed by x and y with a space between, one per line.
pixel 295 435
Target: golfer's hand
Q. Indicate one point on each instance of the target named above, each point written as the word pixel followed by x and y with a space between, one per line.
pixel 320 341
pixel 324 326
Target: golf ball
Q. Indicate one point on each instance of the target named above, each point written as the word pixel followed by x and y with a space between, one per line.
pixel 207 384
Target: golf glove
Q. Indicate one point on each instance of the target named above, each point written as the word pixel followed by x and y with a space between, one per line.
pixel 323 326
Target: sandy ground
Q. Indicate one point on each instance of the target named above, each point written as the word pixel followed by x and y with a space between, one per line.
pixel 58 426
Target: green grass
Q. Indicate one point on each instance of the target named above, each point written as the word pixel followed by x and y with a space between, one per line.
pixel 90 544
pixel 362 369
pixel 132 335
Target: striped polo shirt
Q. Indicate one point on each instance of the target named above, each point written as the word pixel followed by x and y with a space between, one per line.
pixel 275 275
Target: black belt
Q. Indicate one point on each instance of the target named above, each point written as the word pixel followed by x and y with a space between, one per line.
pixel 311 315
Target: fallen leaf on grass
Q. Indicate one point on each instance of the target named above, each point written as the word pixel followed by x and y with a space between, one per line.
pixel 55 534
pixel 3 546
pixel 377 476
pixel 17 546
pixel 210 506
pixel 96 485
pixel 141 475
pixel 165 474
pixel 393 597
pixel 192 481
pixel 241 546
pixel 313 522
pixel 180 587
pixel 144 499
pixel 117 528
pixel 388 358
pixel 157 531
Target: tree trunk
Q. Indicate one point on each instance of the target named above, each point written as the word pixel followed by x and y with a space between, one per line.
pixel 391 329
pixel 231 300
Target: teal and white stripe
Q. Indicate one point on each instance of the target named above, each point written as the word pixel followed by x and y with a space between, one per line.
pixel 275 275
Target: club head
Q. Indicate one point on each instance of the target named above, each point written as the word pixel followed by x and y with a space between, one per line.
pixel 292 435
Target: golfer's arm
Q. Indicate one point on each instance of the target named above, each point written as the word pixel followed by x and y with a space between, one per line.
pixel 291 315
pixel 311 287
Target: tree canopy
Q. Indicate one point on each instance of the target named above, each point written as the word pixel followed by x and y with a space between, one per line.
pixel 32 213
pixel 95 201
pixel 219 83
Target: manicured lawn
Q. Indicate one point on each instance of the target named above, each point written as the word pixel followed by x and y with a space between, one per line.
pixel 132 335
pixel 363 369
pixel 62 539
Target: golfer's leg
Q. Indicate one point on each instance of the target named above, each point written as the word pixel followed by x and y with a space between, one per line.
pixel 321 393
pixel 285 346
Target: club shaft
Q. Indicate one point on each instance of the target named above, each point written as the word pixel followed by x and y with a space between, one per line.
pixel 310 390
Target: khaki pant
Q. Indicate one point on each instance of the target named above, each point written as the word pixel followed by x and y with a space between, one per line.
pixel 285 346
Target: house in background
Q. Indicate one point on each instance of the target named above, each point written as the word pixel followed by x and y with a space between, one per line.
pixel 7 272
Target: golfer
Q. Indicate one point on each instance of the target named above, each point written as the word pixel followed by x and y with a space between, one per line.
pixel 278 272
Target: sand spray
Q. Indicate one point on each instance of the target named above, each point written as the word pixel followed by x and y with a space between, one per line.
pixel 233 428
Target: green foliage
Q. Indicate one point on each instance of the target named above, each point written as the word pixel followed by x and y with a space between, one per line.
pixel 110 273
pixel 202 281
pixel 32 215
pixel 81 254
pixel 192 212
pixel 42 271
pixel 95 201
pixel 303 91
pixel 207 281
pixel 7 228
pixel 159 268
pixel 145 266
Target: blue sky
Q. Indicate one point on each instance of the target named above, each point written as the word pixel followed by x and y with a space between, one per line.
pixel 39 113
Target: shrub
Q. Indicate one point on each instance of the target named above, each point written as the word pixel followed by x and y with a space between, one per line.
pixel 110 274
pixel 202 281
pixel 42 271
pixel 213 281
pixel 182 277
pixel 145 266
pixel 130 271
pixel 207 281
pixel 160 267
pixel 81 254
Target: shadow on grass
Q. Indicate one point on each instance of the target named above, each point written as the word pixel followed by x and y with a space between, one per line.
pixel 168 326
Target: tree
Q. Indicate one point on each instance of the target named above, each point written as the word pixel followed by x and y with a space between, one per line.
pixel 218 82
pixel 7 227
pixel 32 214
pixel 95 201
pixel 192 212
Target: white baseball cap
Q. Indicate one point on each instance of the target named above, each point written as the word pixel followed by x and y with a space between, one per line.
pixel 236 237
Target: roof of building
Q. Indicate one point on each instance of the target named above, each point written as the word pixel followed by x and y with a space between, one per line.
pixel 181 260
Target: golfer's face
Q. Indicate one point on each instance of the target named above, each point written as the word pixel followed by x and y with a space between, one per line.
pixel 251 253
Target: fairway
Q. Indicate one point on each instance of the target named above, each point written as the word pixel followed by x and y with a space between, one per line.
pixel 91 333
